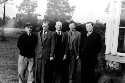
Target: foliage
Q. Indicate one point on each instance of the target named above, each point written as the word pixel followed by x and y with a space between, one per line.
pixel 26 13
pixel 100 28
pixel 21 19
pixel 7 18
pixel 27 6
pixel 58 10
pixel 1 1
pixel 80 27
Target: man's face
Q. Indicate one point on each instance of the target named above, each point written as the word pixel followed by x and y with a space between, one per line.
pixel 28 29
pixel 72 26
pixel 45 26
pixel 89 27
pixel 58 26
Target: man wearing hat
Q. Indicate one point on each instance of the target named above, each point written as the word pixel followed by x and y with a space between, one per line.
pixel 27 43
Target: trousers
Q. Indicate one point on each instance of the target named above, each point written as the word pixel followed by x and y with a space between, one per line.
pixel 24 64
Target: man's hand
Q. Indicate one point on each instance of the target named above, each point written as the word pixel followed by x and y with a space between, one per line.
pixel 51 58
pixel 64 57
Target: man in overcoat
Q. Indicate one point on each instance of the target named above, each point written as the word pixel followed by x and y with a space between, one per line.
pixel 90 46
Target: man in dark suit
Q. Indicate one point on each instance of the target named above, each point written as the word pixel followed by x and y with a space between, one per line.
pixel 90 46
pixel 73 49
pixel 60 50
pixel 44 53
pixel 27 43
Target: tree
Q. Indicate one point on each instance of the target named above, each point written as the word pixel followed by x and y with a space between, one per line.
pixel 58 10
pixel 27 6
pixel 3 37
pixel 2 1
pixel 26 13
pixel 21 19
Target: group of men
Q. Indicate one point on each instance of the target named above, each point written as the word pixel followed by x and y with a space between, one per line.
pixel 51 57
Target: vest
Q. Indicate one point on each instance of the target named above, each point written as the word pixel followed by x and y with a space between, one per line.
pixel 58 47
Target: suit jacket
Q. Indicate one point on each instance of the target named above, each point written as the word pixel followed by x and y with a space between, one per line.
pixel 64 42
pixel 90 46
pixel 75 42
pixel 46 45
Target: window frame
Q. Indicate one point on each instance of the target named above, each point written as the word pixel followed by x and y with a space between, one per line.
pixel 119 53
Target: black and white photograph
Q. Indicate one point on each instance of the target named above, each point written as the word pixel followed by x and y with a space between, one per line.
pixel 62 41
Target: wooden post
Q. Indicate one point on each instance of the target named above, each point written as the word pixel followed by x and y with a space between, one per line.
pixel 3 36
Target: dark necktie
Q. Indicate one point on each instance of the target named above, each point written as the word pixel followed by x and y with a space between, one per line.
pixel 72 33
pixel 29 34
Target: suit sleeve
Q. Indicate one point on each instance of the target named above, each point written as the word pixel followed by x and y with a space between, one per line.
pixel 52 45
pixel 35 40
pixel 66 43
pixel 37 34
pixel 79 39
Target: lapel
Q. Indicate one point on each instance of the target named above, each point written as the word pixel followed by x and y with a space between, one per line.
pixel 62 33
pixel 40 37
pixel 55 36
pixel 69 34
pixel 90 36
pixel 74 35
pixel 46 36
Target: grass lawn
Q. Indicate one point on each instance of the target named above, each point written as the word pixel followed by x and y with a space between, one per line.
pixel 8 61
pixel 9 58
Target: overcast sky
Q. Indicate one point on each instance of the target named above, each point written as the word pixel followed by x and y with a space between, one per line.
pixel 86 10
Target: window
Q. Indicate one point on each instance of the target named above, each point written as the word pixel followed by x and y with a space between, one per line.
pixel 121 40
pixel 121 36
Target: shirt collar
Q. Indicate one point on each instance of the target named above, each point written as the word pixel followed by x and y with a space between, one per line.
pixel 29 34
pixel 72 30
pixel 88 33
pixel 58 31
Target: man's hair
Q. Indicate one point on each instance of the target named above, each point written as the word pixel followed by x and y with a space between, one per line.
pixel 72 22
pixel 58 22
pixel 90 23
pixel 46 22
pixel 28 24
